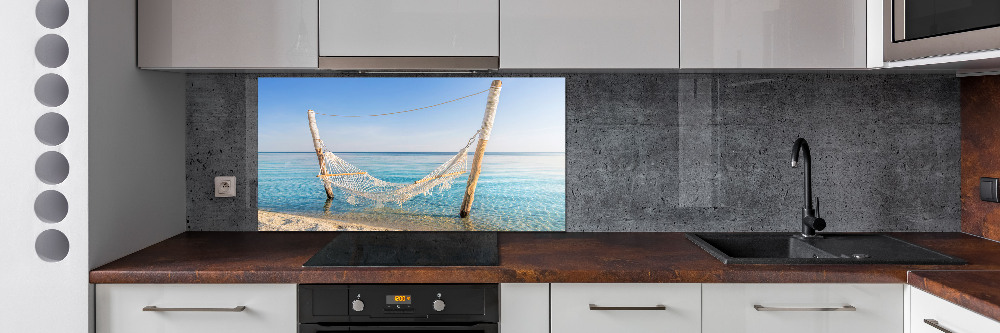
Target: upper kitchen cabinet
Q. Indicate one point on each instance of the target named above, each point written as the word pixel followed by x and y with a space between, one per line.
pixel 780 34
pixel 583 34
pixel 220 34
pixel 409 34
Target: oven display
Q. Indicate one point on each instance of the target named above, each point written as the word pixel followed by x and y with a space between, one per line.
pixel 397 299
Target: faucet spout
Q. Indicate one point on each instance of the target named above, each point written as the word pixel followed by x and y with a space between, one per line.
pixel 803 146
pixel 810 222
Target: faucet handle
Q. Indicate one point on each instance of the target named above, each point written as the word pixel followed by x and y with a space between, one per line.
pixel 819 223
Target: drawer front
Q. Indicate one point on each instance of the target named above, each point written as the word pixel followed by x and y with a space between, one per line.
pixel 589 34
pixel 730 308
pixel 268 308
pixel 949 316
pixel 626 307
pixel 407 28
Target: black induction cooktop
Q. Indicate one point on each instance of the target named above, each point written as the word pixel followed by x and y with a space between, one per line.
pixel 382 248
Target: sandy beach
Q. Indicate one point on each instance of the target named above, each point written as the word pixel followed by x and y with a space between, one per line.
pixel 271 221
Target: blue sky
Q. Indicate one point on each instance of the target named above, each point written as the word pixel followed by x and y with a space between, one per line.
pixel 530 118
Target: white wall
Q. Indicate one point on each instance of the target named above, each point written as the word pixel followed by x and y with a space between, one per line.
pixel 125 150
pixel 36 295
pixel 137 185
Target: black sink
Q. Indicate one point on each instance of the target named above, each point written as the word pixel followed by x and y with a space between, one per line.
pixel 787 248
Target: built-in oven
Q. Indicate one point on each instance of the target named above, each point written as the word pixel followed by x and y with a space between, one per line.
pixel 927 28
pixel 466 308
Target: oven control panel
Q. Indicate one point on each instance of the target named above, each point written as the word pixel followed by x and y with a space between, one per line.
pixel 407 300
pixel 398 303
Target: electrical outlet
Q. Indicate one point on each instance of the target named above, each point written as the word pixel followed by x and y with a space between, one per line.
pixel 988 189
pixel 225 186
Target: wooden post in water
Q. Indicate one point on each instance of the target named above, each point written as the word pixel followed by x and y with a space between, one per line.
pixel 319 152
pixel 484 136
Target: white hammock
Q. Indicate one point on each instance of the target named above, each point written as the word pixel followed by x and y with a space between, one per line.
pixel 335 171
pixel 359 184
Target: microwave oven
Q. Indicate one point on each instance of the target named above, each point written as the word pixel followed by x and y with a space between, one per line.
pixel 915 29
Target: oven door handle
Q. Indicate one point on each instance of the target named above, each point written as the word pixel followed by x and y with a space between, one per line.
pixel 417 327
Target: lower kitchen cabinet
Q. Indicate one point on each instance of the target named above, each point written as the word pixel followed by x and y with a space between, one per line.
pixel 196 308
pixel 524 308
pixel 626 307
pixel 802 308
pixel 570 308
pixel 930 314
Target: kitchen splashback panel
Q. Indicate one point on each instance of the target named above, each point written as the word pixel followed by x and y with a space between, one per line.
pixel 681 152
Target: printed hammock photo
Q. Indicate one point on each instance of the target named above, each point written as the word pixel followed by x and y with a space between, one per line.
pixel 393 154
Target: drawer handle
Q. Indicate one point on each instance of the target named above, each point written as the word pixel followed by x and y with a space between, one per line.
pixel 935 324
pixel 233 309
pixel 627 308
pixel 759 307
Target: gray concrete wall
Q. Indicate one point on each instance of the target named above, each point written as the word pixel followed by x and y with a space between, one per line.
pixel 682 152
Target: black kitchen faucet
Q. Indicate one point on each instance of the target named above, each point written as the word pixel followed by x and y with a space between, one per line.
pixel 810 222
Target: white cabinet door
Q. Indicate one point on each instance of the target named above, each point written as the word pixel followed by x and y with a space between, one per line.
pixel 626 307
pixel 227 34
pixel 270 308
pixel 793 308
pixel 409 28
pixel 589 34
pixel 951 317
pixel 524 308
pixel 774 33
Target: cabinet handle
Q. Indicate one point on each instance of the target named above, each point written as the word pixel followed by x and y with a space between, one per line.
pixel 759 307
pixel 629 308
pixel 233 309
pixel 935 324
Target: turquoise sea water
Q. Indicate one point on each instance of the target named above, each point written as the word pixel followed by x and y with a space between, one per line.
pixel 516 191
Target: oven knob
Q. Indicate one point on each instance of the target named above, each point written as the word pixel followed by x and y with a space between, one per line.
pixel 438 305
pixel 358 305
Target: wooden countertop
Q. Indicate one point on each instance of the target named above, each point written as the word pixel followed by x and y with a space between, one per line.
pixel 277 257
pixel 978 291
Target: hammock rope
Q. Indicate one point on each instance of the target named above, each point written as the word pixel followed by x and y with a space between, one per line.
pixel 410 110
